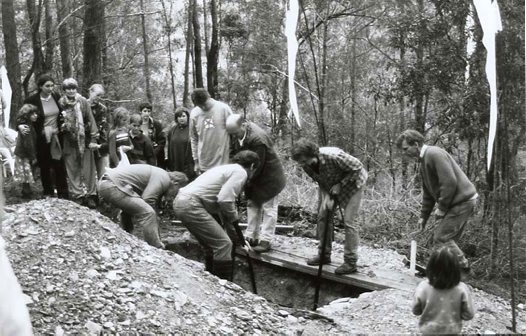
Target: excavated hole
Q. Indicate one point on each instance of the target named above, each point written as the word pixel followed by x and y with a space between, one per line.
pixel 279 285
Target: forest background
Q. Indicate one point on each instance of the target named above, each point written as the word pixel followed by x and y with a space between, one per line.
pixel 366 70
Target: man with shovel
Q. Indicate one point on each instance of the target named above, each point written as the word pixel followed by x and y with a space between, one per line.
pixel 443 184
pixel 341 178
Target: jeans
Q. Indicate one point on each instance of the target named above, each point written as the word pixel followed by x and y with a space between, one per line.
pixel 142 214
pixel 352 236
pixel 262 219
pixel 203 227
pixel 449 228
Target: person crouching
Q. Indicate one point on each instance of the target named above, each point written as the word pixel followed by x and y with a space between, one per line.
pixel 215 192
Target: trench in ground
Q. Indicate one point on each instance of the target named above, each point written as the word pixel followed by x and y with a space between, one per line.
pixel 285 287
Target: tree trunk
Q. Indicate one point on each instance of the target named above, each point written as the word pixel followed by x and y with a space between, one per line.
pixel 37 67
pixel 197 47
pixel 49 44
pixel 93 36
pixel 146 67
pixel 323 84
pixel 168 30
pixel 419 88
pixel 188 54
pixel 63 32
pixel 12 58
pixel 205 27
pixel 213 53
pixel 353 96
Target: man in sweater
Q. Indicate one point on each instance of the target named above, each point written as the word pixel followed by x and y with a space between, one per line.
pixel 137 189
pixel 443 184
pixel 341 178
pixel 209 138
pixel 267 181
pixel 214 193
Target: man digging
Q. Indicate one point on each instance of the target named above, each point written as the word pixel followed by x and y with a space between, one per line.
pixel 443 184
pixel 340 178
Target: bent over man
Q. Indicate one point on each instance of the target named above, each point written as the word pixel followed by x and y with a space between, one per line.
pixel 340 178
pixel 137 189
pixel 443 184
pixel 215 192
pixel 266 183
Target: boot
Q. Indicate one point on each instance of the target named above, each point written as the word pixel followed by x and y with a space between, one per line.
pixel 209 262
pixel 126 222
pixel 26 190
pixel 315 261
pixel 223 269
pixel 346 268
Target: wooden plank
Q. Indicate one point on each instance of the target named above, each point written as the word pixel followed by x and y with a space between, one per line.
pixel 372 279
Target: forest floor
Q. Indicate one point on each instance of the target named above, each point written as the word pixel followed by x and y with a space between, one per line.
pixel 82 274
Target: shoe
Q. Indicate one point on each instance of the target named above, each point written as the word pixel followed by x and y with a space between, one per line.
pixel 26 190
pixel 90 202
pixel 223 269
pixel 345 268
pixel 253 242
pixel 315 261
pixel 264 246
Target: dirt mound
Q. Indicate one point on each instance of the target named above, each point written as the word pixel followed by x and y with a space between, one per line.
pixel 83 274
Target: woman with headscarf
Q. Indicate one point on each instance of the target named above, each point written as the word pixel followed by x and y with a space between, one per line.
pixel 80 140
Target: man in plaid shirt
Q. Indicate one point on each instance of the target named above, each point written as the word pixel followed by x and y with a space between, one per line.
pixel 340 178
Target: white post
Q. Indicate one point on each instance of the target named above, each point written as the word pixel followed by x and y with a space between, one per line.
pixel 412 260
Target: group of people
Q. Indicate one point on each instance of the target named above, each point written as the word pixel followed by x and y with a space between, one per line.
pixel 203 164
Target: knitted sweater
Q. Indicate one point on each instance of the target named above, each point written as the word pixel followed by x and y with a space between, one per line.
pixel 443 182
pixel 442 310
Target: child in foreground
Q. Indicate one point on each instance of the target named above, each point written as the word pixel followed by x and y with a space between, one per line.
pixel 442 301
pixel 25 153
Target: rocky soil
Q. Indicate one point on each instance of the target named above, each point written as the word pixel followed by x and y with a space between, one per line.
pixel 83 275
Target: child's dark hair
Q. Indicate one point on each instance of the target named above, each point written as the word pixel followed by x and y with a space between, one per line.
pixel 26 111
pixel 443 269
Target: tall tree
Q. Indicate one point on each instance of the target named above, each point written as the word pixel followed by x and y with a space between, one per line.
pixel 146 67
pixel 12 58
pixel 49 43
pixel 188 54
pixel 213 53
pixel 37 68
pixel 63 35
pixel 168 30
pixel 93 37
pixel 198 73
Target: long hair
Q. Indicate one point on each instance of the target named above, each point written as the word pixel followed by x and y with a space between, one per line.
pixel 25 113
pixel 443 269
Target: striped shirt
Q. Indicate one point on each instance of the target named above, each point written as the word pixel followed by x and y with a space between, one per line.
pixel 336 166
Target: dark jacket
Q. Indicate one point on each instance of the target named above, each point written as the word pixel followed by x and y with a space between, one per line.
pixel 269 178
pixel 39 123
pixel 158 139
pixel 142 151
pixel 103 120
pixel 26 144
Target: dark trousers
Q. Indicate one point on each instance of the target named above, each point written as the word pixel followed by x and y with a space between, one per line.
pixel 47 165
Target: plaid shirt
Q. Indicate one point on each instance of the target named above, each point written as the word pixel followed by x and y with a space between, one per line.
pixel 336 166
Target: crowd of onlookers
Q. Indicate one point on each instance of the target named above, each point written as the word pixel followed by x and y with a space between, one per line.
pixel 73 139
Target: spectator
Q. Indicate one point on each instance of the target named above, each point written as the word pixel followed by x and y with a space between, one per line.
pixel 104 121
pixel 119 137
pixel 153 129
pixel 208 135
pixel 49 138
pixel 215 192
pixel 80 140
pixel 178 146
pixel 137 189
pixel 25 150
pixel 142 150
pixel 341 178
pixel 267 181
pixel 443 184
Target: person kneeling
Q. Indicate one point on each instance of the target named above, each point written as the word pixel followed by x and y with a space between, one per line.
pixel 214 193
